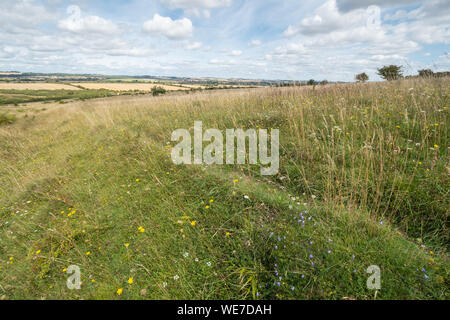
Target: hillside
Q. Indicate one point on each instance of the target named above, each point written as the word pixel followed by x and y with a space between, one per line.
pixel 364 179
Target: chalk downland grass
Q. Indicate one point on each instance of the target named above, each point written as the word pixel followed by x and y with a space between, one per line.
pixel 363 181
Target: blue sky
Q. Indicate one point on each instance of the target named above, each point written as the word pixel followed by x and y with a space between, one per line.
pixel 255 39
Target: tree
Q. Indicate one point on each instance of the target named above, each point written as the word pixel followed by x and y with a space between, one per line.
pixel 324 82
pixel 362 77
pixel 311 82
pixel 426 73
pixel 391 72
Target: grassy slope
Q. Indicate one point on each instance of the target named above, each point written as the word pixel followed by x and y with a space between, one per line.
pixel 78 181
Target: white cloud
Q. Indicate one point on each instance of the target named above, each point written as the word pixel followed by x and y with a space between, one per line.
pixel 348 5
pixel 236 53
pixel 198 8
pixel 165 26
pixel 194 46
pixel 254 43
pixel 20 15
pixel 90 24
pixel 359 24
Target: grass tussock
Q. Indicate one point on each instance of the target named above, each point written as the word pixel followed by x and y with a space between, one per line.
pixel 363 181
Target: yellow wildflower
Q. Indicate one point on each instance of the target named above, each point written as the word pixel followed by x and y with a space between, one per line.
pixel 130 281
pixel 193 223
pixel 119 291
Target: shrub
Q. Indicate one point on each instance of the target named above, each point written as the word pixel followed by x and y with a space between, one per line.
pixel 7 119
pixel 156 91
pixel 362 77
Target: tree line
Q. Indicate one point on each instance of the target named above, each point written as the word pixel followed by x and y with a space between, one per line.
pixel 394 72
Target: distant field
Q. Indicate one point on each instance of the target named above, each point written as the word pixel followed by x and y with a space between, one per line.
pixel 126 86
pixel 36 86
pixel 16 96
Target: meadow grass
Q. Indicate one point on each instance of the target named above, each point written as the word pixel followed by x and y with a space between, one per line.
pixel 363 181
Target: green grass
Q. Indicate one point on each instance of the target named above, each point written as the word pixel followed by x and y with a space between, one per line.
pixel 78 187
pixel 25 96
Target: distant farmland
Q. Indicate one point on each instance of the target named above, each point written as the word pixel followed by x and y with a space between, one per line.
pixel 35 86
pixel 127 86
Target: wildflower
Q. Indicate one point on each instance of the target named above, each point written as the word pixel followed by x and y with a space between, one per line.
pixel 130 281
pixel 227 234
pixel 119 291
pixel 186 254
pixel 127 245
pixel 211 201
pixel 164 284
pixel 246 197
pixel 88 253
pixel 207 207
pixel 436 146
pixel 292 288
pixel 176 277
pixel 235 180
pixel 137 180
pixel 39 251
pixel 193 223
pixel 92 280
pixel 64 270
pixel 208 264
pixel 141 229
pixel 426 277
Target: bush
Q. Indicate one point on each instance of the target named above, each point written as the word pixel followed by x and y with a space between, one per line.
pixel 362 77
pixel 156 91
pixel 7 119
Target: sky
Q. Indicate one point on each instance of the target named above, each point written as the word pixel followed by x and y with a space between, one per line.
pixel 253 39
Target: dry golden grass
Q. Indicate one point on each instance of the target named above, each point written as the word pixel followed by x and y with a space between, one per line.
pixel 36 86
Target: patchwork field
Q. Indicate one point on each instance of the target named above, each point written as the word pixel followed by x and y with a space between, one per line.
pixel 363 180
pixel 126 86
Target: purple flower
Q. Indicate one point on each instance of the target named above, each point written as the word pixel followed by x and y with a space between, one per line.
pixel 426 277
pixel 293 288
